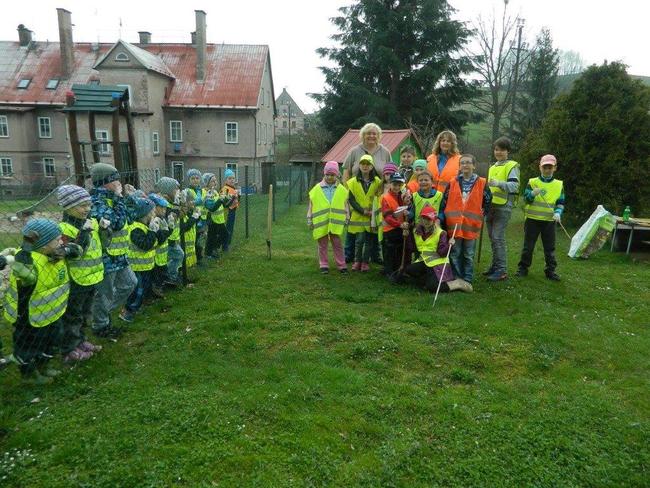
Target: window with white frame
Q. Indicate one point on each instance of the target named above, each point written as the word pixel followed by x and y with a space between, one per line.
pixel 6 167
pixel 232 132
pixel 49 169
pixel 178 170
pixel 104 147
pixel 155 142
pixel 123 57
pixel 44 127
pixel 175 131
pixel 233 167
pixel 4 126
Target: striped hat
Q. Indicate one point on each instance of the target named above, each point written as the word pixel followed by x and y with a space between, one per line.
pixel 205 179
pixel 167 186
pixel 70 196
pixel 193 172
pixel 40 232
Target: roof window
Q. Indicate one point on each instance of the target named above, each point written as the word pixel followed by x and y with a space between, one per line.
pixel 52 84
pixel 24 83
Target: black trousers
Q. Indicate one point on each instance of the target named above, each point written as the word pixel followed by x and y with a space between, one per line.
pixel 424 277
pixel 35 346
pixel 394 245
pixel 532 230
pixel 78 315
pixel 217 234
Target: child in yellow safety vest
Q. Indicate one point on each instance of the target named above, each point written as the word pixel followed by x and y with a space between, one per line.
pixel 161 259
pixel 229 189
pixel 189 217
pixel 86 272
pixel 328 213
pixel 216 205
pixel 544 197
pixel 362 189
pixel 377 220
pixel 198 193
pixel 432 267
pixel 37 297
pixel 144 234
pixel 169 189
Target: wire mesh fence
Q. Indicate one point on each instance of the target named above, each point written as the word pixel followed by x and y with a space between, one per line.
pixel 65 274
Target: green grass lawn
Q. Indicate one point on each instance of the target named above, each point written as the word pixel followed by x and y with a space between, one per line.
pixel 266 373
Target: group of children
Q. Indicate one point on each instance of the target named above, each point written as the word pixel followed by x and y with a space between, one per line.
pixel 113 248
pixel 427 227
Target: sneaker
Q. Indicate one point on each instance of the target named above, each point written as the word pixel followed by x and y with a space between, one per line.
pixel 88 346
pixel 365 268
pixel 488 272
pixel 109 332
pixel 324 271
pixel 498 276
pixel 4 362
pixel 521 272
pixel 553 276
pixel 77 355
pixel 126 315
pixel 356 266
pixel 343 270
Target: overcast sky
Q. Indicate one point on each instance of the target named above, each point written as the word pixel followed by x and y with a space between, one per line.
pixel 597 29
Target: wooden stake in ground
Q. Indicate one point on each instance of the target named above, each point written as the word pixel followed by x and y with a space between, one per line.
pixel 453 235
pixel 269 222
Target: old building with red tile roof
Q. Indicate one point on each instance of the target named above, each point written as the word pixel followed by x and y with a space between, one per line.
pixel 194 105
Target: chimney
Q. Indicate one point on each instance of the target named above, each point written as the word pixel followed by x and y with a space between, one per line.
pixel 24 35
pixel 200 45
pixel 66 46
pixel 145 37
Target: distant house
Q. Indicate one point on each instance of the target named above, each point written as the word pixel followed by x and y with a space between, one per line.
pixel 194 105
pixel 290 118
pixel 394 140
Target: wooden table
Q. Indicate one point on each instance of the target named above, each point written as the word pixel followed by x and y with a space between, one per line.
pixel 631 225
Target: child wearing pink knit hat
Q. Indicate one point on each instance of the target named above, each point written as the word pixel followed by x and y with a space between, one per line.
pixel 327 215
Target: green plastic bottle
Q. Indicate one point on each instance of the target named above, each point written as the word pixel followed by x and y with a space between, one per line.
pixel 626 214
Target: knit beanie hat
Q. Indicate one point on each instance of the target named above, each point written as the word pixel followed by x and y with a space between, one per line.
pixel 40 231
pixel 167 185
pixel 142 206
pixel 158 200
pixel 331 168
pixel 367 158
pixel 228 173
pixel 70 196
pixel 102 173
pixel 193 172
pixel 420 163
pixel 389 169
pixel 205 179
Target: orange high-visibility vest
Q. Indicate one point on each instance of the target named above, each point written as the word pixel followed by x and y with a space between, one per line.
pixel 393 204
pixel 449 172
pixel 469 216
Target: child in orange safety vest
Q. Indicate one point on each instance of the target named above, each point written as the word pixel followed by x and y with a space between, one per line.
pixel 463 206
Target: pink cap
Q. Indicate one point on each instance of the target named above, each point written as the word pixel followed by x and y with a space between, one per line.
pixel 548 159
pixel 331 168
pixel 389 169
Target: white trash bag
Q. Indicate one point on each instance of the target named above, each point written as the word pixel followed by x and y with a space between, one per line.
pixel 593 234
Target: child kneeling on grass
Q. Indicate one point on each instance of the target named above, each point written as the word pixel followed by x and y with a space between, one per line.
pixel 544 206
pixel 433 266
pixel 328 213
pixel 86 272
pixel 37 297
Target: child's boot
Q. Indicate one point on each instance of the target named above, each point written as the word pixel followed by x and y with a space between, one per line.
pixel 460 285
pixel 365 268
pixel 356 266
pixel 88 346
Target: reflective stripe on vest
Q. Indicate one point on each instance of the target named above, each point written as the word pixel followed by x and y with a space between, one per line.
pixel 49 298
pixel 466 215
pixel 328 217
pixel 500 173
pixel 420 202
pixel 138 259
pixel 218 216
pixel 543 207
pixel 190 245
pixel 88 269
pixel 360 222
pixel 429 249
pixel 119 239
pixel 160 259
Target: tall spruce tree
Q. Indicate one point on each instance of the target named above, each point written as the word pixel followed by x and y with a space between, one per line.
pixel 397 62
pixel 539 86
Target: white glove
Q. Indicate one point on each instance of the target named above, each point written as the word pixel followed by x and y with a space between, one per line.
pixel 162 223
pixel 557 218
pixel 10 259
pixel 154 225
pixel 177 198
pixel 171 220
pixel 10 251
pixel 104 223
pixel 88 225
pixel 536 191
pixel 196 214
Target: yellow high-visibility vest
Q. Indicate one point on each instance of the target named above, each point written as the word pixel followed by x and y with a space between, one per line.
pixel 429 249
pixel 360 222
pixel 420 202
pixel 543 207
pixel 190 245
pixel 500 173
pixel 49 299
pixel 88 269
pixel 119 245
pixel 328 217
pixel 138 259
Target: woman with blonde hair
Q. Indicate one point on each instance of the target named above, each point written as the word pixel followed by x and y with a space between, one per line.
pixel 444 162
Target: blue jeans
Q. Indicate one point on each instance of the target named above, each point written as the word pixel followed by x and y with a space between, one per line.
pixel 462 258
pixel 230 228
pixel 112 292
pixel 350 246
pixel 497 221
pixel 362 247
pixel 134 301
pixel 174 261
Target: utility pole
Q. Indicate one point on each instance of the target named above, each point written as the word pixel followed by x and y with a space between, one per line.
pixel 520 27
